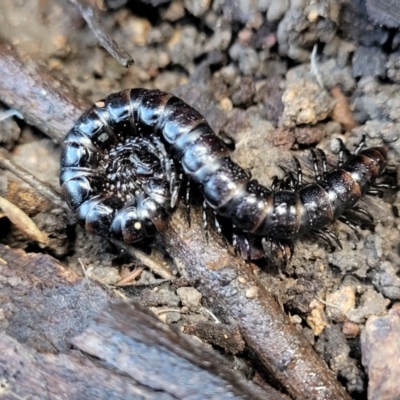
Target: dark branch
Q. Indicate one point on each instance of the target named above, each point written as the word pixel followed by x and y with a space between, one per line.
pixel 91 15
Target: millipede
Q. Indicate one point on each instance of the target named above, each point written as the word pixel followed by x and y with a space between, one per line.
pixel 121 163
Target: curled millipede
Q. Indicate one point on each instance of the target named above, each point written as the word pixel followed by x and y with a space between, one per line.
pixel 119 174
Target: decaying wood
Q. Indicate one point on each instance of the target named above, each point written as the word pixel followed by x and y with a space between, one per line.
pixel 46 308
pixel 226 281
pixel 234 292
pixel 225 336
pixel 45 102
pixel 43 303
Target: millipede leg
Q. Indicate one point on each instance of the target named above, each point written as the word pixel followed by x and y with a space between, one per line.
pixel 292 183
pixel 205 222
pixel 268 247
pixel 317 172
pixel 360 145
pixel 275 183
pixel 364 212
pixel 173 176
pixel 384 186
pixel 247 249
pixel 299 172
pixel 285 256
pixel 328 236
pixel 333 236
pixel 375 193
pixel 288 181
pixel 234 240
pixel 175 189
pixel 343 219
pixel 187 202
pixel 216 223
pixel 156 147
pixel 341 152
pixel 324 162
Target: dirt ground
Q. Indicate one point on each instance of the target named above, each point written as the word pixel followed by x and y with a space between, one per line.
pixel 274 79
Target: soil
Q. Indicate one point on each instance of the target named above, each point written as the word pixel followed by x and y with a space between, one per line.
pixel 274 79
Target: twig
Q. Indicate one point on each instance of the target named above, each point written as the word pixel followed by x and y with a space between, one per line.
pixel 42 188
pixel 165 310
pixel 144 259
pixel 127 280
pixel 44 101
pixel 83 267
pixel 230 284
pixel 23 222
pixel 211 314
pixel 91 15
pixel 10 113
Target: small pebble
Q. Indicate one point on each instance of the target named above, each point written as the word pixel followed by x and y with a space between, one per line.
pixel 252 292
pixel 340 302
pixel 190 297
pixel 317 319
pixel 350 329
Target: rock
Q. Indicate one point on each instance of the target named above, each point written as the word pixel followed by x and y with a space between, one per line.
pixel 385 279
pixel 333 346
pixel 161 297
pixel 304 101
pixel 393 67
pixel 317 319
pixel 305 23
pixel 309 135
pixel 245 92
pixel 369 61
pixel 240 10
pixel 174 12
pixel 371 303
pixel 277 9
pixel 333 75
pixel 253 150
pixel 350 329
pixel 246 57
pixel 376 100
pixel 185 45
pixel 190 297
pixel 270 95
pixel 340 302
pixel 380 348
pixel 197 8
pixel 355 25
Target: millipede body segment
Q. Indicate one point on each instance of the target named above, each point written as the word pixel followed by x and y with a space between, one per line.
pixel 119 173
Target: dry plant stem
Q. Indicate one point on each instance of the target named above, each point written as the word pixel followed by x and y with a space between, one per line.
pixel 44 101
pixel 42 188
pixel 144 259
pixel 91 15
pixel 235 293
pixel 128 280
pixel 23 222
